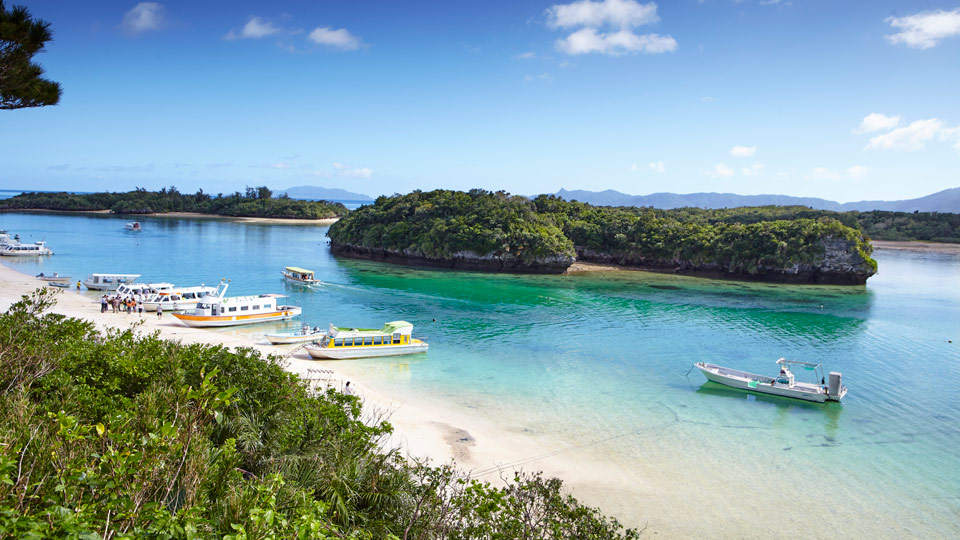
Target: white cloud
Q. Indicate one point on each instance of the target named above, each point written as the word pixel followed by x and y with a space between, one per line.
pixel 722 169
pixel 346 170
pixel 255 28
pixel 910 137
pixel 339 39
pixel 743 151
pixel 853 173
pixel 923 30
pixel 657 166
pixel 525 55
pixel 619 17
pixel 857 172
pixel 280 166
pixel 707 99
pixel 877 122
pixel 752 170
pixel 620 13
pixel 542 77
pixel 588 40
pixel 144 16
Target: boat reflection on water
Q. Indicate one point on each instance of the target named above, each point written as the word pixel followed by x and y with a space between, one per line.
pixel 784 406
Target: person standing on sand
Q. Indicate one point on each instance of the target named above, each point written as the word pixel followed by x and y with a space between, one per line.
pixel 103 304
pixel 78 284
pixel 159 311
pixel 140 307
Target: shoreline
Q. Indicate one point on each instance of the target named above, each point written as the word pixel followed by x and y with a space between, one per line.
pixel 423 428
pixel 192 215
pixel 916 246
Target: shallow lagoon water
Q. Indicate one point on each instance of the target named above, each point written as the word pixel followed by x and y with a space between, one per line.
pixel 596 367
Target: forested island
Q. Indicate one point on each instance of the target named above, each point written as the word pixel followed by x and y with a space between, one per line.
pixel 482 230
pixel 119 435
pixel 256 202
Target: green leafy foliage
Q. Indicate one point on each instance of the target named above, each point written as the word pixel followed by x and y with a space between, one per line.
pixel 119 435
pixel 443 223
pixel 21 80
pixel 256 202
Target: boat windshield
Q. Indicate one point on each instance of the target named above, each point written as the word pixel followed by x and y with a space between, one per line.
pixel 203 306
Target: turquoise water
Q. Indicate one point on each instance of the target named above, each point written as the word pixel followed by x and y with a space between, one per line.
pixel 596 367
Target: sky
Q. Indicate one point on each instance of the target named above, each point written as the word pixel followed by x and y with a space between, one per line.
pixel 841 100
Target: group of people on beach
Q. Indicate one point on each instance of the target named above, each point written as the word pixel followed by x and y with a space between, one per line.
pixel 129 304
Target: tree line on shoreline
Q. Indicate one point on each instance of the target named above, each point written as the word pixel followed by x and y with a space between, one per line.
pixel 115 434
pixel 255 202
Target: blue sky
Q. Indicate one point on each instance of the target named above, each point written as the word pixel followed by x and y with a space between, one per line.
pixel 841 100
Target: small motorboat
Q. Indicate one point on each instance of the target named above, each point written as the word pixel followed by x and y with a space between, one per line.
pixel 305 335
pixel 54 278
pixel 783 384
pixel 393 339
pixel 133 226
pixel 300 276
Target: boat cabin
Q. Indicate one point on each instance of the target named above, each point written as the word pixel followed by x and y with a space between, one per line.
pixel 142 289
pixel 108 281
pixel 236 306
pixel 392 333
pixel 295 273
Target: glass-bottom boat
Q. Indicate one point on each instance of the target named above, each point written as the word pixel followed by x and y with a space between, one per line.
pixel 393 339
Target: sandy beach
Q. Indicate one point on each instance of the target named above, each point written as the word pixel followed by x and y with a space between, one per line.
pixel 192 215
pixel 922 247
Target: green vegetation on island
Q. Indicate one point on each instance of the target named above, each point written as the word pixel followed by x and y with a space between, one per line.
pixel 117 435
pixel 474 230
pixel 482 226
pixel 876 224
pixel 256 202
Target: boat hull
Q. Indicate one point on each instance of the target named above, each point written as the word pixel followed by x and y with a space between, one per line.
pixel 348 353
pixel 288 339
pixel 302 281
pixel 762 386
pixel 208 321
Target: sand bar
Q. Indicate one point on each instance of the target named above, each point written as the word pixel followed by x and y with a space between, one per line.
pixel 922 247
pixel 191 215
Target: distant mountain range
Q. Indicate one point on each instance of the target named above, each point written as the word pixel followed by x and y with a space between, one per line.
pixel 317 192
pixel 947 200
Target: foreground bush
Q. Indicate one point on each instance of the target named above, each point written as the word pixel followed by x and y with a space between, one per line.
pixel 117 435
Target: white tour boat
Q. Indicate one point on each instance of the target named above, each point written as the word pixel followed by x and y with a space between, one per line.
pixel 301 276
pixel 392 340
pixel 237 310
pixel 142 289
pixel 305 335
pixel 108 282
pixel 16 249
pixel 783 384
pixel 133 226
pixel 180 298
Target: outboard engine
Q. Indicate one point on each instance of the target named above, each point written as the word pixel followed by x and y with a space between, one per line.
pixel 835 388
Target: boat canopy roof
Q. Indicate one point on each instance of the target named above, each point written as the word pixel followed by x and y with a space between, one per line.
pixel 116 275
pixel 298 270
pixel 389 328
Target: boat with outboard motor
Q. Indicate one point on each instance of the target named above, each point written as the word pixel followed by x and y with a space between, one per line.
pixel 393 339
pixel 300 276
pixel 54 278
pixel 783 384
pixel 305 335
pixel 133 226
pixel 214 311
